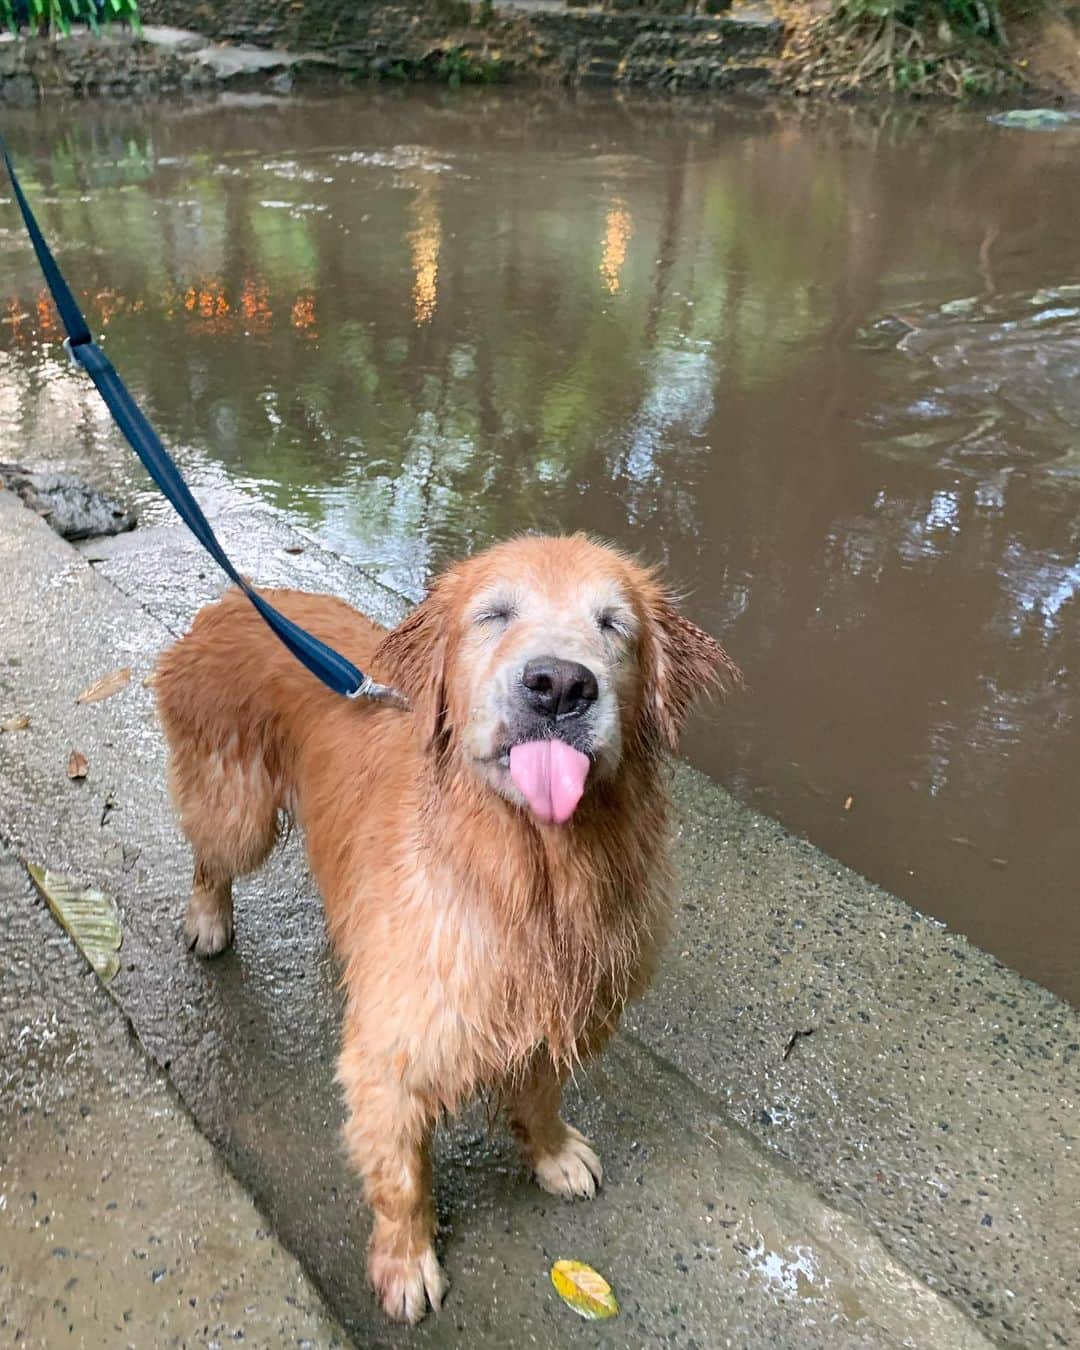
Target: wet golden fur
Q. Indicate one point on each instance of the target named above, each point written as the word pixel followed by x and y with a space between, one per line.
pixel 481 951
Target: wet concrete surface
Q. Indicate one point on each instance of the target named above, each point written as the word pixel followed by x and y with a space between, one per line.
pixel 927 1195
pixel 119 1225
pixel 938 1096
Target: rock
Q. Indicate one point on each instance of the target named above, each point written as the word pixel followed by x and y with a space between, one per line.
pixel 1037 119
pixel 72 507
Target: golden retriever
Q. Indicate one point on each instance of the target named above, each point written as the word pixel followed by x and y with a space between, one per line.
pixel 493 862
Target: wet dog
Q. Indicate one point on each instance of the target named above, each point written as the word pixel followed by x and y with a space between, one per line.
pixel 493 862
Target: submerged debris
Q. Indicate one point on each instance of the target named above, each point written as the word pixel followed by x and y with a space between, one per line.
pixel 1037 119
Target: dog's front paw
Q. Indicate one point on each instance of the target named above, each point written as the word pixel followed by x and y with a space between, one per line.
pixel 405 1285
pixel 208 931
pixel 573 1171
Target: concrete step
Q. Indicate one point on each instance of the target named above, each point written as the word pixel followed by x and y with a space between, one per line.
pixel 119 1224
pixel 662 51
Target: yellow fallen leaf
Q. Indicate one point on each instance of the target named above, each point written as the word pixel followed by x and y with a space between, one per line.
pixel 106 686
pixel 150 680
pixel 584 1289
pixel 89 916
pixel 78 765
pixel 18 723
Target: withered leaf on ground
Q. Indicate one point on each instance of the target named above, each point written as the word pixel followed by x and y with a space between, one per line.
pixel 106 686
pixel 584 1290
pixel 18 723
pixel 89 916
pixel 78 765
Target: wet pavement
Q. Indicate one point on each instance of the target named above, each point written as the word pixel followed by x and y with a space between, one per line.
pixel 417 321
pixel 119 1225
pixel 904 1176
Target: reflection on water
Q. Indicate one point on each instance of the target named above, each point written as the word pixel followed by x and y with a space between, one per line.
pixel 419 322
pixel 617 231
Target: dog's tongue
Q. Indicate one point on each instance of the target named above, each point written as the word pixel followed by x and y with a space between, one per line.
pixel 550 775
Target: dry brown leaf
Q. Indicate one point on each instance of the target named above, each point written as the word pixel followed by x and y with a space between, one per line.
pixel 78 764
pixel 150 680
pixel 106 686
pixel 18 723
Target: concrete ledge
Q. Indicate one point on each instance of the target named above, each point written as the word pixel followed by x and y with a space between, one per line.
pixel 929 1122
pixel 118 1224
pixel 938 1097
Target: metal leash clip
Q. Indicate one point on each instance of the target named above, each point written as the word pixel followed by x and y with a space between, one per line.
pixel 380 693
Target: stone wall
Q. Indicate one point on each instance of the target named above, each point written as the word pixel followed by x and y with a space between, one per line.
pixel 318 24
pixel 116 64
pixel 450 40
pixel 621 42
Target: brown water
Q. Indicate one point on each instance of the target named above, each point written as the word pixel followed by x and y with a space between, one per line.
pixel 416 322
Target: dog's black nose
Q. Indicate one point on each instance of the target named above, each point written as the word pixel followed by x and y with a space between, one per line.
pixel 557 688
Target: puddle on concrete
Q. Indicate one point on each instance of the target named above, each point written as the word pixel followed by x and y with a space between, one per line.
pixel 417 322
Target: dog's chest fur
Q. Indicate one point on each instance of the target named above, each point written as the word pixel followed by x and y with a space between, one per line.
pixel 529 942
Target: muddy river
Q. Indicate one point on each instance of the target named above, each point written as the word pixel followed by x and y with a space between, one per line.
pixel 826 372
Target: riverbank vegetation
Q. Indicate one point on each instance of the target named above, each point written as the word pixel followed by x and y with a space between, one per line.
pixel 955 49
pixel 57 16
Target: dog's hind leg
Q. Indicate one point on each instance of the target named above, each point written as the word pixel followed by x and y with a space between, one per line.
pixel 227 801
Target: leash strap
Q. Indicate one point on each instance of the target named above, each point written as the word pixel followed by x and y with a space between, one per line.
pixel 323 661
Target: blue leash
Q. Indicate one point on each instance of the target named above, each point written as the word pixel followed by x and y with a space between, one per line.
pixel 330 666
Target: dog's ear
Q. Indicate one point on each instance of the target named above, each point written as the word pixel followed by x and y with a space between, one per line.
pixel 682 663
pixel 413 657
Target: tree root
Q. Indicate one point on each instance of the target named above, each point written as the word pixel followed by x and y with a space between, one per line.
pixel 845 55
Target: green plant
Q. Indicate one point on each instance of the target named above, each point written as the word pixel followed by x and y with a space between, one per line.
pixel 458 66
pixel 58 15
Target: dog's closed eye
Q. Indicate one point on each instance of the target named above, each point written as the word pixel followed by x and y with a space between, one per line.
pixel 615 623
pixel 495 616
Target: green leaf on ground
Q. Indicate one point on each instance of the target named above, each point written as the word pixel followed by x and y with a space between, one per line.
pixel 584 1290
pixel 89 916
